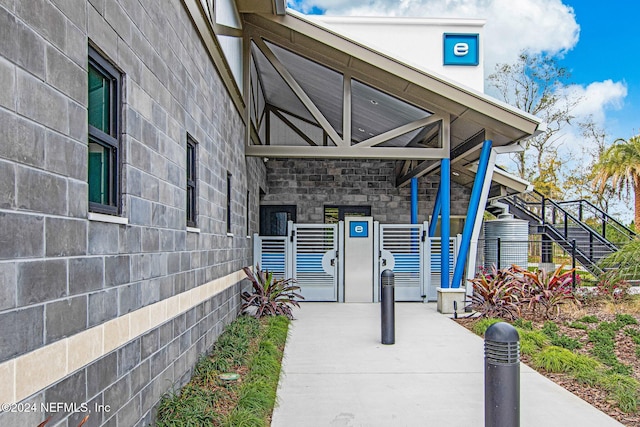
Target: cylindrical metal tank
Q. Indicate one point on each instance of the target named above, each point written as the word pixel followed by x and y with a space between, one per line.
pixel 512 234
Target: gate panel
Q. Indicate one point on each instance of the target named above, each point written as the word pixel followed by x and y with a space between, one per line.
pixel 404 243
pixel 315 262
pixel 271 254
pixel 436 267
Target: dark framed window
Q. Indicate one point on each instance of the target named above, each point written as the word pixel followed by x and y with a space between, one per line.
pixel 104 129
pixel 192 183
pixel 248 214
pixel 333 214
pixel 229 202
pixel 274 218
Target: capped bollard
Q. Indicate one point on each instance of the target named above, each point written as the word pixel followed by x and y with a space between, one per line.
pixel 387 307
pixel 501 376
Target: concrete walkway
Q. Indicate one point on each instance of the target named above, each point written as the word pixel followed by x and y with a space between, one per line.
pixel 337 373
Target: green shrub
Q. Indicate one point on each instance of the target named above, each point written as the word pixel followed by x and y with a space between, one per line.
pixel 523 324
pixel 550 329
pixel 481 326
pixel 195 404
pixel 589 319
pixel 532 341
pixel 557 359
pixel 578 325
pixel 565 341
pixel 626 319
pixel 624 390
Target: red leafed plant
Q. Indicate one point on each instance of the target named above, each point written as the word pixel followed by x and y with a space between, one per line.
pixel 496 294
pixel 45 422
pixel 271 296
pixel 549 291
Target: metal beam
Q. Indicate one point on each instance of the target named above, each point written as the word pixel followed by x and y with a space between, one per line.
pixel 293 127
pixel 344 152
pixel 436 213
pixel 346 109
pixel 399 131
pixel 423 168
pixel 297 90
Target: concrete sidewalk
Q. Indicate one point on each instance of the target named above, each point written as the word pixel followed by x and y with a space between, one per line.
pixel 337 373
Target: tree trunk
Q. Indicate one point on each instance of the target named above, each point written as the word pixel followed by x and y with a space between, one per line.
pixel 636 195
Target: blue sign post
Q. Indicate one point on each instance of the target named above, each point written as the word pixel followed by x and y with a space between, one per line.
pixel 461 49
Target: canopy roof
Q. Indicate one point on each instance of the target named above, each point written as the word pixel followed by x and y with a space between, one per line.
pixel 336 98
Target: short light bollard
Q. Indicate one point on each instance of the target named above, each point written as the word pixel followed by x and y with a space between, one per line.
pixel 501 376
pixel 387 309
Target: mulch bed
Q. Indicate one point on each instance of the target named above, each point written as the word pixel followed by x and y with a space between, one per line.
pixel 625 351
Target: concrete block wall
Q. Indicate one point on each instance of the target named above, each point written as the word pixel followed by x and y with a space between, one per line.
pixel 313 183
pixel 137 284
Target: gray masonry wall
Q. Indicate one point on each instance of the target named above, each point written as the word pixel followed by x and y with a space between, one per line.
pixel 313 183
pixel 61 273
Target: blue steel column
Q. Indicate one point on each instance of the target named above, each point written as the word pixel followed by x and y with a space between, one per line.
pixel 435 214
pixel 445 197
pixel 414 200
pixel 472 212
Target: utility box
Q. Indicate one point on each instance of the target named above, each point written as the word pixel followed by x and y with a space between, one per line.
pixel 358 259
pixel 446 297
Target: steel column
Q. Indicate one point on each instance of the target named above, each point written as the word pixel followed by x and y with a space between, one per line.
pixel 436 213
pixel 472 212
pixel 445 197
pixel 414 200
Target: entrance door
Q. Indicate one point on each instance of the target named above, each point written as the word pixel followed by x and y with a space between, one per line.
pixel 401 247
pixel 315 261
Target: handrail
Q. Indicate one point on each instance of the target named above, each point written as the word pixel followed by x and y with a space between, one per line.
pixel 606 218
pixel 569 230
pixel 629 234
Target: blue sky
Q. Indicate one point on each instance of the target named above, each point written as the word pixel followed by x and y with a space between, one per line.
pixel 595 40
pixel 608 35
pixel 592 38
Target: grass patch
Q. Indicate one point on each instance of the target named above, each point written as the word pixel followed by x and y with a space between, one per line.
pixel 248 346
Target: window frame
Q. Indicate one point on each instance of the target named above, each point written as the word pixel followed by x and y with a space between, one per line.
pixel 192 184
pixel 110 140
pixel 229 192
pixel 248 214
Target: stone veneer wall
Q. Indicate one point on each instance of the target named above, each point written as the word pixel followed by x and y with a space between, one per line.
pixel 95 311
pixel 313 183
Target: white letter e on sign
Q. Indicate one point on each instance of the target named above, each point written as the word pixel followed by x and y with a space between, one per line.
pixel 460 49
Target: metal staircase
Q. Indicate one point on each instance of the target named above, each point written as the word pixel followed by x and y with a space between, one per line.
pixel 582 229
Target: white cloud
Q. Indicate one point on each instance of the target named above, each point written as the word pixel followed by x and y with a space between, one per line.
pixel 512 25
pixel 598 97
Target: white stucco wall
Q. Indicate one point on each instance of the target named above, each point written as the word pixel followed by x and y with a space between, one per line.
pixel 416 41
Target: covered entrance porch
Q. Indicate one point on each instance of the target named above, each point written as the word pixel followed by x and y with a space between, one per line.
pixel 321 107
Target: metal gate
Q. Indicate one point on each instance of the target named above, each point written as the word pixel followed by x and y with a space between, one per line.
pixel 402 251
pixel 315 260
pixel 435 253
pixel 312 254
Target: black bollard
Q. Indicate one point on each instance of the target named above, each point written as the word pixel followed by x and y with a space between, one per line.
pixel 501 376
pixel 387 308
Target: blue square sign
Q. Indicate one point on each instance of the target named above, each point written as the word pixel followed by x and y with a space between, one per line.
pixel 461 49
pixel 358 229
